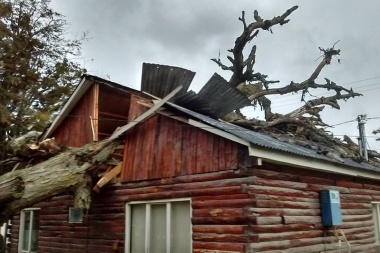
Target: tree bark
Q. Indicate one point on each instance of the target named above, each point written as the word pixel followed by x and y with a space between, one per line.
pixel 54 176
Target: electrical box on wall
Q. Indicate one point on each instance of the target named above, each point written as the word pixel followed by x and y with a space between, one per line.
pixel 330 207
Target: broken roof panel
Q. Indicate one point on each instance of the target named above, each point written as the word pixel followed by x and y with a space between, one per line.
pixel 160 80
pixel 217 98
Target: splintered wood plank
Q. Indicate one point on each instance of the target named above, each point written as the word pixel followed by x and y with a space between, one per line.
pixel 108 177
pixel 145 115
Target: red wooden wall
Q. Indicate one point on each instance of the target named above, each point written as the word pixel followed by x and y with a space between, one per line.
pixel 75 130
pixel 162 147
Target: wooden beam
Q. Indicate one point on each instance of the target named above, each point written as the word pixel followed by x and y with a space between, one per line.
pixel 145 115
pixel 108 177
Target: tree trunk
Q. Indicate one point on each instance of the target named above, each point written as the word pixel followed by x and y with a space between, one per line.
pixel 66 171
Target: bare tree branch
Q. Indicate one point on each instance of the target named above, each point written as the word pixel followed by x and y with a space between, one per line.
pixel 243 69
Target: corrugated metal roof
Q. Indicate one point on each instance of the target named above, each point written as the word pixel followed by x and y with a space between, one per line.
pixel 217 98
pixel 160 80
pixel 269 142
pixel 222 96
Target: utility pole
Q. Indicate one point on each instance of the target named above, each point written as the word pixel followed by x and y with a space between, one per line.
pixel 362 140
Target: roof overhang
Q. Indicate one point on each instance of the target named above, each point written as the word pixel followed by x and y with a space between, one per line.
pixel 279 157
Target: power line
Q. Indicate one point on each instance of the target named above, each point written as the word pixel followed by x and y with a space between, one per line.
pixel 349 121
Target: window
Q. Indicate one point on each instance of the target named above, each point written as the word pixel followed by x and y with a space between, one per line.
pixel 75 215
pixel 376 220
pixel 158 227
pixel 29 225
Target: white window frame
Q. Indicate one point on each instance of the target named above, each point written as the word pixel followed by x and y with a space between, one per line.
pixel 128 214
pixel 22 229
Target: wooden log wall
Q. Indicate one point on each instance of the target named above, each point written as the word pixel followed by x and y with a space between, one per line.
pixel 268 208
pixel 287 213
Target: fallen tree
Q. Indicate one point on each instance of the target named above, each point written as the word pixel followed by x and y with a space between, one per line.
pixel 68 171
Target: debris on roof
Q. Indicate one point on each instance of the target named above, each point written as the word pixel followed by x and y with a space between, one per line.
pixel 216 99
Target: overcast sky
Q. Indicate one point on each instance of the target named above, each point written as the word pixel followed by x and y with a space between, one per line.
pixel 124 34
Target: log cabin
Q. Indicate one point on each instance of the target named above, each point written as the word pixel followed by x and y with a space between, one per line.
pixel 185 181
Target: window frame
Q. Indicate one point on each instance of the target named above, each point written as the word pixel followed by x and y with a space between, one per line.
pixel 148 203
pixel 22 229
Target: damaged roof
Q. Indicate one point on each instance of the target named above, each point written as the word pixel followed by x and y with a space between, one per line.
pixel 266 141
pixel 213 101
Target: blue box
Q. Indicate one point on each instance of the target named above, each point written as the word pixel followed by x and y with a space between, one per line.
pixel 330 208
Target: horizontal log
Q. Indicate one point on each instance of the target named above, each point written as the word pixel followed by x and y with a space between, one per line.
pixel 282 211
pixel 289 235
pixel 285 198
pixel 371 186
pixel 318 187
pixel 302 219
pixel 283 228
pixel 236 203
pixel 356 224
pixel 364 192
pixel 361 236
pixel 213 237
pixel 224 197
pixel 259 189
pixel 56 217
pixel 204 177
pixel 316 180
pixel 215 251
pixel 239 220
pixel 348 231
pixel 265 173
pixel 67 227
pixel 348 184
pixel 356 205
pixel 355 198
pixel 173 194
pixel 268 220
pixel 218 212
pixel 347 211
pixel 281 183
pixel 347 218
pixel 286 204
pixel 284 244
pixel 219 229
pixel 240 247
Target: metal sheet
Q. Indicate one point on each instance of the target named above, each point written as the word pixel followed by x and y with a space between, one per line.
pixel 160 80
pixel 216 99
